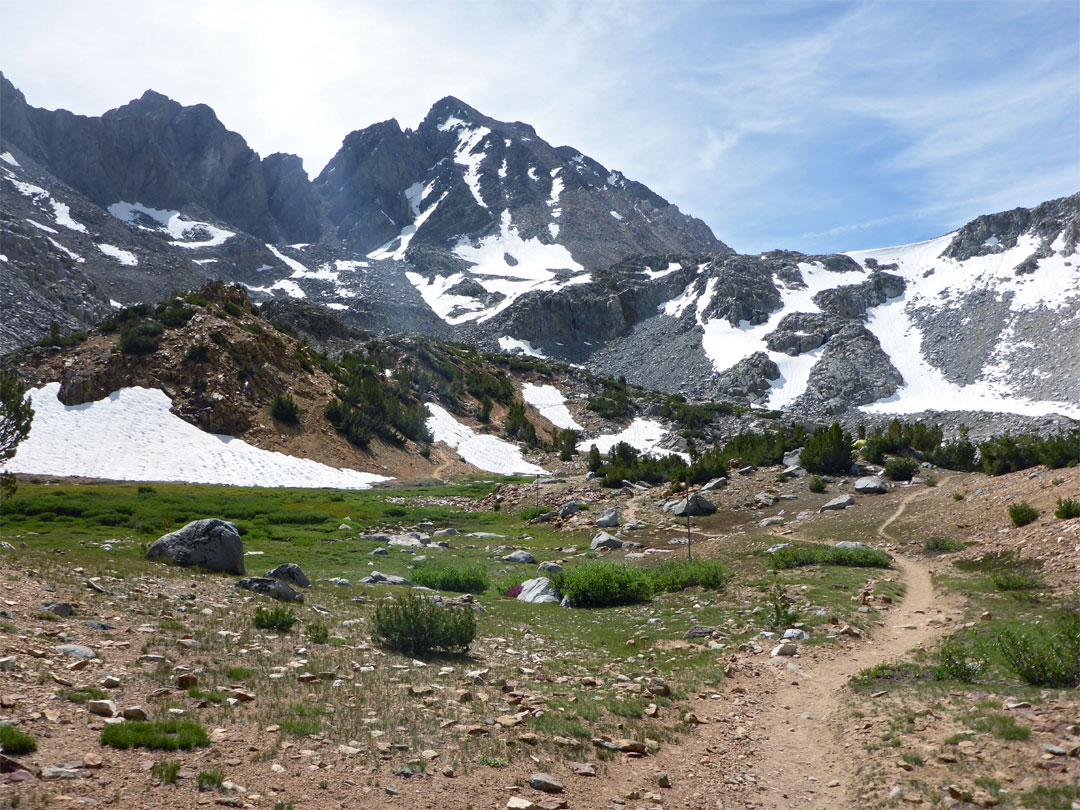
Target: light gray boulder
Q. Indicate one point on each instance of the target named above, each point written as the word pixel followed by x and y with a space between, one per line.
pixel 538 591
pixel 568 509
pixel 548 567
pixel 837 504
pixel 519 557
pixel 211 544
pixel 273 588
pixel 377 578
pixel 870 485
pixel 605 540
pixel 692 505
pixel 609 519
pixel 716 483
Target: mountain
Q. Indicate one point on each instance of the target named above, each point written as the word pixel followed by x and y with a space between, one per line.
pixel 476 230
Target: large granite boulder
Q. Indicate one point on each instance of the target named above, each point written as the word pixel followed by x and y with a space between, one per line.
pixel 290 573
pixel 538 591
pixel 211 544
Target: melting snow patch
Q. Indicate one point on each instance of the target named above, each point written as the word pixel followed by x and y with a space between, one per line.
pixel 45 228
pixel 125 257
pixel 132 436
pixel 287 286
pixel 115 304
pixel 511 345
pixel 71 254
pixel 617 215
pixel 484 452
pixel 62 213
pixel 655 274
pixel 9 158
pixel 336 306
pixel 182 230
pixel 551 403
pixel 644 434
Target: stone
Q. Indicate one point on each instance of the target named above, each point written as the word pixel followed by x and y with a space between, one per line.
pixel 93 761
pixel 870 485
pixel 662 779
pixel 838 503
pixel 102 708
pixel 609 519
pixel 520 803
pixel 136 713
pixel 771 521
pixel 185 680
pixel 291 573
pixel 569 509
pixel 777 547
pixel 716 483
pixel 51 772
pixel 378 552
pixel 548 567
pixel 94 624
pixel 538 591
pixel 212 544
pixel 796 634
pixel 378 578
pixel 700 631
pixel 545 782
pixel 583 769
pixel 659 687
pixel 605 540
pixel 794 471
pixel 784 648
pixel 764 499
pixel 110 682
pixel 273 588
pixel 692 505
pixel 62 609
pixel 76 651
pixel 520 557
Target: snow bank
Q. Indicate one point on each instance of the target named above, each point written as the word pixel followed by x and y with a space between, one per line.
pixel 482 451
pixel 125 257
pixel 132 436
pixel 551 403
pixel 180 228
pixel 644 434
pixel 511 345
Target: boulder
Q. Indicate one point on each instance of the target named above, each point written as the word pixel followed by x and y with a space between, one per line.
pixel 519 557
pixel 568 509
pixel 450 532
pixel 273 588
pixel 764 499
pixel 605 540
pixel 609 519
pixel 794 471
pixel 692 505
pixel 716 483
pixel 546 783
pixel 785 648
pixel 548 567
pixel 771 521
pixel 538 591
pixel 870 485
pixel 777 547
pixel 211 544
pixel 377 578
pixel 838 503
pixel 792 457
pixel 290 573
pixel 62 609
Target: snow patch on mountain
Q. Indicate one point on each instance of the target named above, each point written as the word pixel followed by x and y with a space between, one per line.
pixel 185 233
pixel 643 434
pixel 482 451
pixel 551 403
pixel 131 435
pixel 9 158
pixel 512 345
pixel 125 257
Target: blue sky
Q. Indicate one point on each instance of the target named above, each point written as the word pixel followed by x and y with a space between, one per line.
pixel 819 127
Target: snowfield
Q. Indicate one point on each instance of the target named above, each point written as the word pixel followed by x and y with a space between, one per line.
pixel 644 434
pixel 186 233
pixel 551 403
pixel 132 436
pixel 483 452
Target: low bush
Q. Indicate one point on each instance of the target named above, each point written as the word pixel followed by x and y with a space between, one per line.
pixel 285 409
pixel 958 662
pixel 1046 654
pixel 1023 513
pixel 83 694
pixel 901 468
pixel 796 556
pixel 677 575
pixel 317 633
pixel 415 625
pixel 828 450
pixel 815 483
pixel 141 339
pixel 16 742
pixel 441 576
pixel 197 353
pixel 1067 509
pixel 944 545
pixel 169 735
pixel 603 584
pixel 1002 726
pixel 210 780
pixel 275 618
pixel 780 611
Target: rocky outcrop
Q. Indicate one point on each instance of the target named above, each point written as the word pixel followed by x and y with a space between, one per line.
pixel 996 233
pixel 853 370
pixel 852 300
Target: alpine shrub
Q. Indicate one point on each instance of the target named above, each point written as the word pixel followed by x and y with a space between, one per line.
pixel 1044 654
pixel 441 576
pixel 1067 509
pixel 603 584
pixel 16 742
pixel 815 483
pixel 169 735
pixel 275 618
pixel 1023 513
pixel 797 556
pixel 901 468
pixel 415 625
pixel 828 450
pixel 677 575
pixel 285 409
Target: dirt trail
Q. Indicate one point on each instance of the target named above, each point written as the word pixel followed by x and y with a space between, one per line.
pixel 805 763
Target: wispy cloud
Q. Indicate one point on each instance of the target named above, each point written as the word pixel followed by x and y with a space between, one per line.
pixel 820 126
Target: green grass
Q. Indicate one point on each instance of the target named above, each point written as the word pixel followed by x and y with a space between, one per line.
pixel 168 735
pixel 1043 654
pixel 1051 797
pixel 210 780
pixel 943 545
pixel 795 556
pixel 165 771
pixel 83 694
pixel 447 576
pixel 16 742
pixel 1015 581
pixel 1002 726
pixel 317 633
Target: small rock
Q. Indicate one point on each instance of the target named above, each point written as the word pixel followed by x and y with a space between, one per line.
pixel 77 651
pixel 136 713
pixel 546 783
pixel 784 648
pixel 63 609
pixel 102 708
pixel 837 504
pixel 520 557
pixel 662 780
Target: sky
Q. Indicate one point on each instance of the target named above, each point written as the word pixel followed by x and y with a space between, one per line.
pixel 813 126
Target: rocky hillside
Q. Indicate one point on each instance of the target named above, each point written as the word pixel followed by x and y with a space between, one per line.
pixel 478 231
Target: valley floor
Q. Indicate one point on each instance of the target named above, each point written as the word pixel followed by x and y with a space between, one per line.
pixel 616 705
